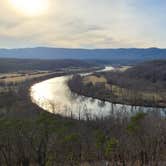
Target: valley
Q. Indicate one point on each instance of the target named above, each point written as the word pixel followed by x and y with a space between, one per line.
pixel 59 119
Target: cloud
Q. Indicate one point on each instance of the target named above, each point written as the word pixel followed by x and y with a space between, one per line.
pixel 84 23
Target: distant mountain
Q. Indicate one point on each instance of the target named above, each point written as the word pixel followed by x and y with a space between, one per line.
pixel 94 54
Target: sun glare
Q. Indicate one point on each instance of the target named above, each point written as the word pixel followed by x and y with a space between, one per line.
pixel 30 7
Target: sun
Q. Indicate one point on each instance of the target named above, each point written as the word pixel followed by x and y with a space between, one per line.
pixel 30 7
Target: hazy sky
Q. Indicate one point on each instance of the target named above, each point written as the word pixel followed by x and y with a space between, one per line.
pixel 84 23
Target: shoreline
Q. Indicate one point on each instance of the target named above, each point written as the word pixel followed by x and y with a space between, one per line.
pixel 113 102
pixel 21 94
pixel 50 76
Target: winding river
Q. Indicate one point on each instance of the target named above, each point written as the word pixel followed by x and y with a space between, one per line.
pixel 54 95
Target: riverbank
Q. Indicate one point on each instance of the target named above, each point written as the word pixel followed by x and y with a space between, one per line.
pixel 35 136
pixel 98 87
pixel 19 94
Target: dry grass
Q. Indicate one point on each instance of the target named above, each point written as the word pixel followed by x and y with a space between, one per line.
pixel 127 94
pixel 13 79
pixel 94 79
pixel 19 77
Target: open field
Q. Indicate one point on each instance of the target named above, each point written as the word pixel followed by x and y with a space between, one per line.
pixel 13 79
pixel 93 79
pixel 141 85
pixel 123 93
pixel 20 77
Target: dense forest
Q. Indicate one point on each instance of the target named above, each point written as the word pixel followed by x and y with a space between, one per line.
pixel 153 71
pixel 145 76
pixel 15 65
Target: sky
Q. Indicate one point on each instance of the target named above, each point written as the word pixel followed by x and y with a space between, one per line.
pixel 83 23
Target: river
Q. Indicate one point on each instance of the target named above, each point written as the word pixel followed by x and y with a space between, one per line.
pixel 54 95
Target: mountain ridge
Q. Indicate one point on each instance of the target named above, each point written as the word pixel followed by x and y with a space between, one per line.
pixel 81 53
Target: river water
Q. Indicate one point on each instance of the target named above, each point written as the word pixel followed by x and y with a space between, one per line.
pixel 54 96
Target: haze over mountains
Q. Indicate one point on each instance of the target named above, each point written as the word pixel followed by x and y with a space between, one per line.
pixel 97 54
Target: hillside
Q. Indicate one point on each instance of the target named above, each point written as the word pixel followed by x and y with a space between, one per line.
pixel 144 76
pixel 153 71
pixel 13 65
pixel 95 54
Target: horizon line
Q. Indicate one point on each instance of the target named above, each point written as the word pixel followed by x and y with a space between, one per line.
pixel 81 48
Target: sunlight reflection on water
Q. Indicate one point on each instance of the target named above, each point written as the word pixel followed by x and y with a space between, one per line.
pixel 54 95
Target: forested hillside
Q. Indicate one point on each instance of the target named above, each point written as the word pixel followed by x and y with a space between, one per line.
pixel 133 54
pixel 13 65
pixel 148 75
pixel 153 71
pixel 144 84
